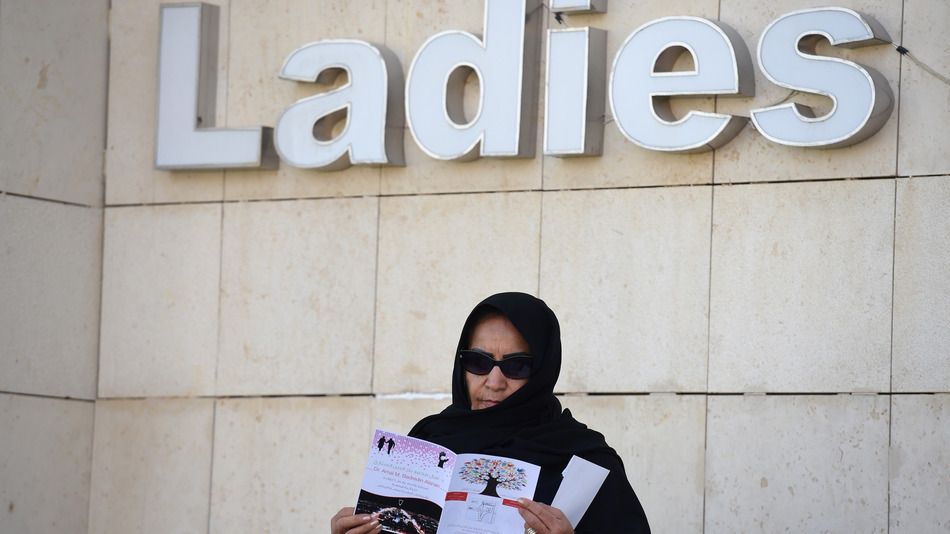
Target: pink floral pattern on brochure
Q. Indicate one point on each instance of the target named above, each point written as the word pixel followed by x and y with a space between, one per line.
pixel 405 483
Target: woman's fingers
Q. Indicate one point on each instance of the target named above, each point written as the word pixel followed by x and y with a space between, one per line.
pixel 543 518
pixel 345 522
pixel 367 528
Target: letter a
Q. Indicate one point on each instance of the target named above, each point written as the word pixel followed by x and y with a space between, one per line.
pixel 370 101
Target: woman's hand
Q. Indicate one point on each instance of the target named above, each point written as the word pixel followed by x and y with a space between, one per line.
pixel 543 519
pixel 344 522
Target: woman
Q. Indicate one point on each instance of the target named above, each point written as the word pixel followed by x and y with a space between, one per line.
pixel 510 410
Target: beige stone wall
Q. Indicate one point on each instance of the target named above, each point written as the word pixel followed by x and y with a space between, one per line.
pixel 764 329
pixel 53 65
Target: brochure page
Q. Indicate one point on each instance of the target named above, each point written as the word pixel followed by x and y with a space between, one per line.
pixel 405 483
pixel 483 495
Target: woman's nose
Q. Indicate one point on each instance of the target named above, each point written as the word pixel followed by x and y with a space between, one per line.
pixel 496 379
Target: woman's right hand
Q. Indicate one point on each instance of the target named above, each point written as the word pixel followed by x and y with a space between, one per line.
pixel 345 522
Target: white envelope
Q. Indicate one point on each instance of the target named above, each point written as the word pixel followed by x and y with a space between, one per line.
pixel 582 480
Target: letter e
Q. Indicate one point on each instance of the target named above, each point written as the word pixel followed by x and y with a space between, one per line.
pixel 642 72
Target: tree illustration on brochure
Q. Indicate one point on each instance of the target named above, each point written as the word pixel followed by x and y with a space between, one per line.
pixel 494 474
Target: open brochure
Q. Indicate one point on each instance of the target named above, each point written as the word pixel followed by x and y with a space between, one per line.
pixel 417 487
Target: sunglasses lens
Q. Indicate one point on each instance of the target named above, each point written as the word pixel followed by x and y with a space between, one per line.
pixel 518 367
pixel 476 363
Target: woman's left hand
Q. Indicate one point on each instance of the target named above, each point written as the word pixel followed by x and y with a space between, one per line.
pixel 543 519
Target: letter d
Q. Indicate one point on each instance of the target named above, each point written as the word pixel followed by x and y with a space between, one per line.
pixel 506 62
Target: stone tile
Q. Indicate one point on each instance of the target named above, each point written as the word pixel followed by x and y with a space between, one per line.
pixel 661 441
pixel 796 463
pixel 919 465
pixel 53 61
pixel 151 466
pixel 801 281
pixel 925 102
pixel 637 303
pixel 439 256
pixel 287 464
pixel 751 157
pixel 133 84
pixel 50 271
pixel 45 461
pixel 160 301
pixel 309 268
pixel 257 95
pixel 625 164
pixel 401 413
pixel 408 24
pixel 922 285
pixel 423 174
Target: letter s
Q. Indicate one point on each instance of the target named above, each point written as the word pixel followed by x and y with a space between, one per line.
pixel 862 99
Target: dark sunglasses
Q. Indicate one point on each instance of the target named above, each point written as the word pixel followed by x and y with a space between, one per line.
pixel 516 366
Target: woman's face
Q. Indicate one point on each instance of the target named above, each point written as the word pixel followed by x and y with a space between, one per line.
pixel 496 336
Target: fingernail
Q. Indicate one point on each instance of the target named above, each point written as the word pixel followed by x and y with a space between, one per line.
pixel 522 501
pixel 375 522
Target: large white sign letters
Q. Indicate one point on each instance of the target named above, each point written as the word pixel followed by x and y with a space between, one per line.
pixel 362 122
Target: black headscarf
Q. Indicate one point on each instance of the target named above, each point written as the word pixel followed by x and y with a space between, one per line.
pixel 530 426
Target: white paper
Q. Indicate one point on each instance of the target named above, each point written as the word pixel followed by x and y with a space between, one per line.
pixel 582 480
pixel 471 508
